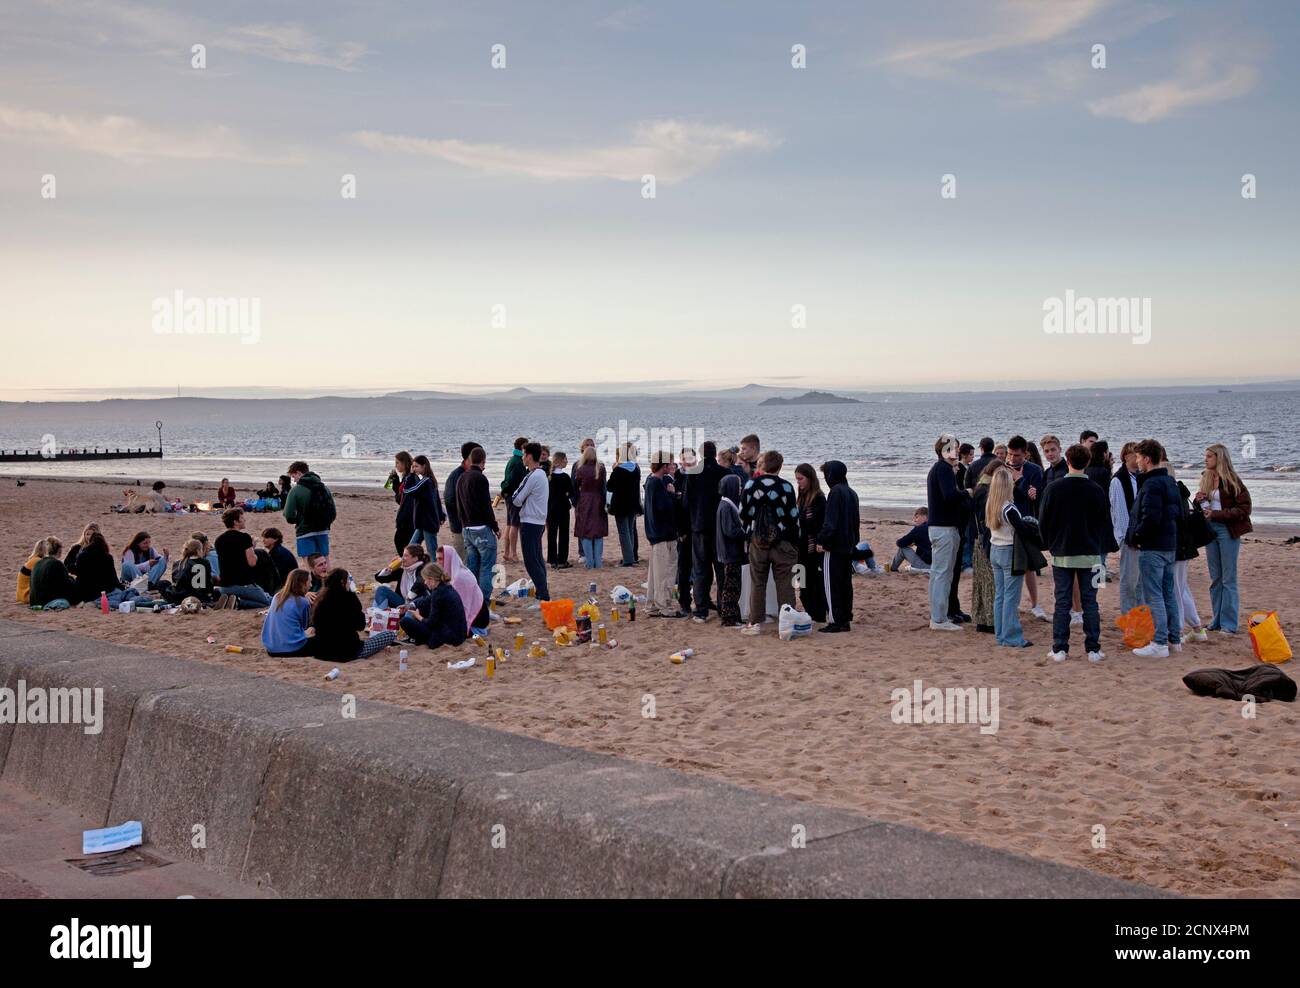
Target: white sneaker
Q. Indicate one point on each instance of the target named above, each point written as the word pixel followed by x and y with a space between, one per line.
pixel 1096 656
pixel 1076 618
pixel 751 629
pixel 1058 656
pixel 1196 635
pixel 1152 651
pixel 1039 613
pixel 1175 648
pixel 944 626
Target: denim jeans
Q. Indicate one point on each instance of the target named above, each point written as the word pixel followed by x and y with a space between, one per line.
pixel 430 540
pixel 1130 580
pixel 1006 595
pixel 1157 566
pixel 1221 555
pixel 627 540
pixel 530 544
pixel 250 594
pixel 592 550
pixel 945 543
pixel 481 556
pixel 1186 602
pixel 216 567
pixel 1065 580
pixel 308 545
pixel 156 570
pixel 386 596
pixel 908 554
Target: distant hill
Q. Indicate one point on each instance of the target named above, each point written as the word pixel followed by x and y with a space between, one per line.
pixel 812 398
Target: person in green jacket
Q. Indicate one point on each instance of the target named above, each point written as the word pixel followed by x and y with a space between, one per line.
pixel 515 473
pixel 310 509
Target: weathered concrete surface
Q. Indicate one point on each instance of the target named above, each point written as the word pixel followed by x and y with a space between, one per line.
pixel 295 798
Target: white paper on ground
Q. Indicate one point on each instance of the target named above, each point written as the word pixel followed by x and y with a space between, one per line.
pixel 129 834
pixel 463 664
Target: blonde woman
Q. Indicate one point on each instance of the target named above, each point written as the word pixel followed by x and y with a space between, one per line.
pixel 1003 520
pixel 591 521
pixel 1226 503
pixel 75 551
pixel 24 594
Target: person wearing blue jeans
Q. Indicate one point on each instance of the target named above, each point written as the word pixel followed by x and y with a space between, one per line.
pixel 1221 557
pixel 156 569
pixel 531 497
pixel 481 556
pixel 388 597
pixel 946 504
pixel 1226 503
pixel 1157 567
pixel 592 550
pixel 479 521
pixel 1007 587
pixel 1153 530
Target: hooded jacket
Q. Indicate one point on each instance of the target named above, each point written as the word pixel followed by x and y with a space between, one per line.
pixel 840 527
pixel 295 508
pixel 729 535
pixel 702 494
pixel 1154 522
pixel 421 504
pixel 660 509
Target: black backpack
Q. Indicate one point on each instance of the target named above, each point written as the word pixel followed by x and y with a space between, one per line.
pixel 766 531
pixel 320 512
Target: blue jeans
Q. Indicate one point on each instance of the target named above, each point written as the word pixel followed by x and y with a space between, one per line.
pixel 430 540
pixel 249 594
pixel 592 550
pixel 530 544
pixel 116 597
pixel 386 596
pixel 627 540
pixel 308 545
pixel 945 543
pixel 1130 583
pixel 1221 555
pixel 481 557
pixel 1157 567
pixel 158 568
pixel 216 567
pixel 1065 580
pixel 1006 596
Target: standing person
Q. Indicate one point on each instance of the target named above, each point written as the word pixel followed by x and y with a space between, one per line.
pixel 770 510
pixel 625 501
pixel 310 508
pixel 403 527
pixel 478 521
pixel 747 455
pixel 965 458
pixel 702 494
pixel 238 560
pixel 1100 472
pixel 590 520
pixel 983 586
pixel 947 504
pixel 1056 467
pixel 661 533
pixel 812 516
pixel 438 617
pixel 731 550
pixel 685 561
pixel 286 629
pixel 1028 476
pixel 514 476
pixel 1075 523
pixel 1227 502
pixel 421 511
pixel 1123 494
pixel 1004 521
pixel 914 546
pixel 226 495
pixel 531 497
pixel 1186 551
pixel 573 475
pixel 558 505
pixel 337 618
pixel 449 499
pixel 979 463
pixel 838 539
pixel 1153 531
pixel 1087 437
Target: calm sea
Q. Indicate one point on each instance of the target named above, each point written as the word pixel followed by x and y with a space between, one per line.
pixel 886 443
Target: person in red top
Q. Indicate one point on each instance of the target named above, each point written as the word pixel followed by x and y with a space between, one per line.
pixel 225 494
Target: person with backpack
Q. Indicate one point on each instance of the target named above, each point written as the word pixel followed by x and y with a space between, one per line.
pixel 310 509
pixel 838 539
pixel 770 509
pixel 1153 531
pixel 514 476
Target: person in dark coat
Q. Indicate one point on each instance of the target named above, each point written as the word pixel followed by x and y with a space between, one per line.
pixel 702 505
pixel 558 507
pixel 625 503
pixel 812 513
pixel 437 617
pixel 591 521
pixel 730 549
pixel 838 538
pixel 684 560
pixel 421 510
pixel 1153 530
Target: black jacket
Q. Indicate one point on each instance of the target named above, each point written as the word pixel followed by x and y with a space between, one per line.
pixel 660 510
pixel 840 527
pixel 946 501
pixel 559 501
pixel 50 581
pixel 976 468
pixel 1075 517
pixel 338 619
pixel 449 499
pixel 729 534
pixel 624 489
pixel 474 501
pixel 187 581
pixel 1153 523
pixel 702 494
pixel 96 573
pixel 421 506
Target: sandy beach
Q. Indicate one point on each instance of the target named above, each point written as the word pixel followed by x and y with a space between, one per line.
pixel 1193 797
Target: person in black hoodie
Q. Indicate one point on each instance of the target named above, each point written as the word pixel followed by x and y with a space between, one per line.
pixel 449 499
pixel 684 558
pixel 624 487
pixel 437 616
pixel 732 553
pixel 661 533
pixel 421 511
pixel 478 521
pixel 702 504
pixel 1153 530
pixel 558 506
pixel 948 505
pixel 838 538
pixel 403 527
pixel 812 514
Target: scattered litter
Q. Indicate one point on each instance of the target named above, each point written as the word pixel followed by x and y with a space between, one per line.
pixel 117 838
pixel 677 658
pixel 463 664
pixel 333 673
pixel 211 639
pixel 620 594
pixel 514 620
pixel 235 649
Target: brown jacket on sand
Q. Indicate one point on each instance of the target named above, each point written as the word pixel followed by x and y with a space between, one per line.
pixel 1235 513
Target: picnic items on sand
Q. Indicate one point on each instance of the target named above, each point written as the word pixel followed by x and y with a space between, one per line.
pixel 1267 637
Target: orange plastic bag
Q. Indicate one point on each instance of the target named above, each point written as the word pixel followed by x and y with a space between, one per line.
pixel 559 614
pixel 1138 626
pixel 1267 637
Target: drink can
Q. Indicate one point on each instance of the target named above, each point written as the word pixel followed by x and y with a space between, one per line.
pixel 401 660
pixel 591 587
pixel 519 641
pixel 602 634
pixel 333 673
pixel 235 649
pixel 491 666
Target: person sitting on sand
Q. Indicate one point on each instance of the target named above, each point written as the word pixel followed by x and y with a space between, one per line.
pixel 141 559
pixel 75 551
pixel 50 580
pixel 338 618
pixel 192 576
pixel 24 592
pixel 97 574
pixel 462 581
pixel 914 547
pixel 286 629
pixel 209 553
pixel 400 582
pixel 226 495
pixel 437 617
pixel 318 566
pixel 153 502
pixel 238 558
pixel 281 558
pixel 270 492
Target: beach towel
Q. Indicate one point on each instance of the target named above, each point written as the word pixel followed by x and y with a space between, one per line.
pixel 1263 682
pixel 463 582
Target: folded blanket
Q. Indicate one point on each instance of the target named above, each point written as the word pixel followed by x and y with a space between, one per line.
pixel 1263 682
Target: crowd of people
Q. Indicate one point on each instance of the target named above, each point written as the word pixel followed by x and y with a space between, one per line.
pixel 711 520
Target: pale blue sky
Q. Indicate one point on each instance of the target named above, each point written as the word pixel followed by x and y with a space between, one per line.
pixel 520 187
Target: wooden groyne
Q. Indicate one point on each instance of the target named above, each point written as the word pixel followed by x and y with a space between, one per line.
pixel 82 455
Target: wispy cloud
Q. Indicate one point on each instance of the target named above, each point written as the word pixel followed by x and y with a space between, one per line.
pixel 124 137
pixel 671 150
pixel 292 43
pixel 1201 81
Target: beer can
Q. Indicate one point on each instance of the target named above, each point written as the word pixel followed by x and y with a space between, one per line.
pixel 491 666
pixel 519 641
pixel 235 649
pixel 602 634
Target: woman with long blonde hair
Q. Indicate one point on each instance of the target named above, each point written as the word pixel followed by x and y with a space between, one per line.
pixel 1003 520
pixel 1226 503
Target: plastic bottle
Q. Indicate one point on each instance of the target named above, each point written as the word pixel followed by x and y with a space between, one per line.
pixel 401 660
pixel 103 602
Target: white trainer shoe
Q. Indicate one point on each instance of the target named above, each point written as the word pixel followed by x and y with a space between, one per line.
pixel 1152 651
pixel 944 626
pixel 1196 635
pixel 1096 656
pixel 1039 613
pixel 1058 656
pixel 1076 618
